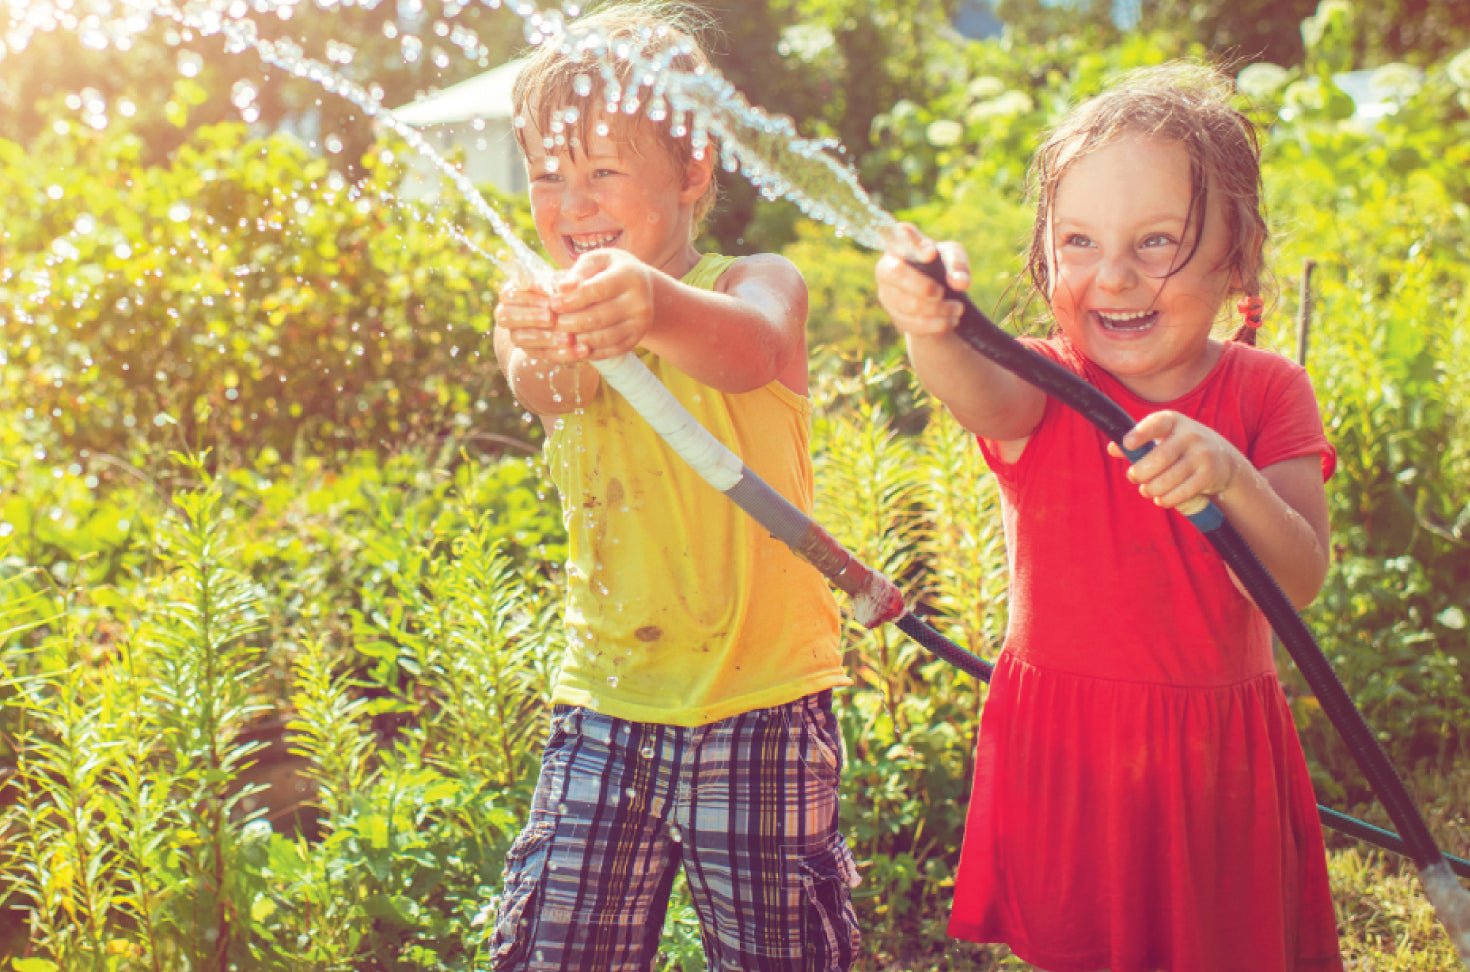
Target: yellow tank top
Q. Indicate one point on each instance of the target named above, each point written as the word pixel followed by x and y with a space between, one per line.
pixel 681 609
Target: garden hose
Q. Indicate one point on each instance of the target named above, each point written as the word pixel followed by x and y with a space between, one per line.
pixel 1450 900
pixel 875 598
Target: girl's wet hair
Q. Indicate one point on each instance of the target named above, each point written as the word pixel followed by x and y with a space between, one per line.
pixel 554 80
pixel 1185 102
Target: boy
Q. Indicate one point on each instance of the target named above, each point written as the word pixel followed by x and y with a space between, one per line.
pixel 692 721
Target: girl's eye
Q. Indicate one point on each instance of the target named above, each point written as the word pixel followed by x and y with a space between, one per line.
pixel 605 172
pixel 1076 239
pixel 1159 239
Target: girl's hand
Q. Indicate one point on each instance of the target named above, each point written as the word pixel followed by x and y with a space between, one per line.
pixel 914 301
pixel 524 315
pixel 1188 460
pixel 605 301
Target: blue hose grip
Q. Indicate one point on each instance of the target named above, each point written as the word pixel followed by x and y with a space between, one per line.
pixel 1203 513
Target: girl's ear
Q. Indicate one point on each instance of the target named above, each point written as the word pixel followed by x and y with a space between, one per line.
pixel 698 174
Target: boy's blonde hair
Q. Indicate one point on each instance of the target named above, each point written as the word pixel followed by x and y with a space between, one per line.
pixel 1182 101
pixel 549 82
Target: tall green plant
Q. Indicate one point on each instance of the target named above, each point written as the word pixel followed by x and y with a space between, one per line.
pixel 913 507
pixel 129 820
pixel 421 751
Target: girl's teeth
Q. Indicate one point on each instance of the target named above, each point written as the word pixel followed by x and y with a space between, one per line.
pixel 1132 319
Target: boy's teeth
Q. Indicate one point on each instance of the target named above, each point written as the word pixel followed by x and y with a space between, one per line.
pixel 586 244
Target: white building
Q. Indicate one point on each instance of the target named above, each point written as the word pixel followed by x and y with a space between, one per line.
pixel 469 121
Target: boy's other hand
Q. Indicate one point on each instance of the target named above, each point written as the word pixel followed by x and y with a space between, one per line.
pixel 523 313
pixel 606 301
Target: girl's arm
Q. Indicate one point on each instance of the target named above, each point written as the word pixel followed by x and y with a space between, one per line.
pixel 983 397
pixel 1280 511
pixel 748 331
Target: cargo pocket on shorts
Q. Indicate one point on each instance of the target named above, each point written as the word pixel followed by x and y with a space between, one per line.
pixel 520 901
pixel 831 928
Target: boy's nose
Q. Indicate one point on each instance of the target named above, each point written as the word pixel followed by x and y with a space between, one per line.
pixel 579 202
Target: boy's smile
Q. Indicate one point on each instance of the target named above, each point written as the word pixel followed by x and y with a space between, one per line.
pixel 608 193
pixel 588 242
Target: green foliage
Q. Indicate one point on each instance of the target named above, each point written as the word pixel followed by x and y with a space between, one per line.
pixel 244 297
pixel 1383 211
pixel 898 502
pixel 152 826
pixel 119 753
pixel 283 708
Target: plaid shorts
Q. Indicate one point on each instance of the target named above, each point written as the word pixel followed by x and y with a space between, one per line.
pixel 748 807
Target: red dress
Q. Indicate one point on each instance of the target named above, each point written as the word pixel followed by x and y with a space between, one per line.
pixel 1141 800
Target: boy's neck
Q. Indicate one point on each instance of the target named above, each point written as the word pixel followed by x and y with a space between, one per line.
pixel 682 262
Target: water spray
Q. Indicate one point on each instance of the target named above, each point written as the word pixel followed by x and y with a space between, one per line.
pixel 780 164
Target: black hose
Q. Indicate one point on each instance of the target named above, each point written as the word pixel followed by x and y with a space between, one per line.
pixel 875 598
pixel 980 333
pixel 937 643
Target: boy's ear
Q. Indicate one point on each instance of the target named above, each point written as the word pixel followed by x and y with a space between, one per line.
pixel 697 176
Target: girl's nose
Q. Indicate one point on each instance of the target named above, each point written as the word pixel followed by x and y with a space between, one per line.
pixel 1117 273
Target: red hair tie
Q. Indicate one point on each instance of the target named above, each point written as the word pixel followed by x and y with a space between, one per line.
pixel 1251 308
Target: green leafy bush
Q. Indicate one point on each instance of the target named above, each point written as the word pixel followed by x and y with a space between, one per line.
pixel 243 297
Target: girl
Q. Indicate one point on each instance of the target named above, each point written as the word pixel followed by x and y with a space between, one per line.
pixel 1141 800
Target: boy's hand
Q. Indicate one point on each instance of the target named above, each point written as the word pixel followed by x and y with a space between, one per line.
pixel 523 313
pixel 1188 459
pixel 605 301
pixel 914 301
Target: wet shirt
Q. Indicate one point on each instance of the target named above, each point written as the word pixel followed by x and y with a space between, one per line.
pixel 681 608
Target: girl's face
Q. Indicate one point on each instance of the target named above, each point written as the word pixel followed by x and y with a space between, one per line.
pixel 1119 227
pixel 607 195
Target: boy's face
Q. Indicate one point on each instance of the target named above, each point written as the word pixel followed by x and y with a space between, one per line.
pixel 607 194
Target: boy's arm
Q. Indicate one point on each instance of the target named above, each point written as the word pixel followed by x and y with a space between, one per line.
pixel 984 397
pixel 745 333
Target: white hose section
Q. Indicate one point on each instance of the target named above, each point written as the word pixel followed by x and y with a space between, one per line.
pixel 705 454
pixel 878 602
pixel 1451 903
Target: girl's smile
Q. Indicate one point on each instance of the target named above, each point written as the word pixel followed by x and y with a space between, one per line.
pixel 1138 281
